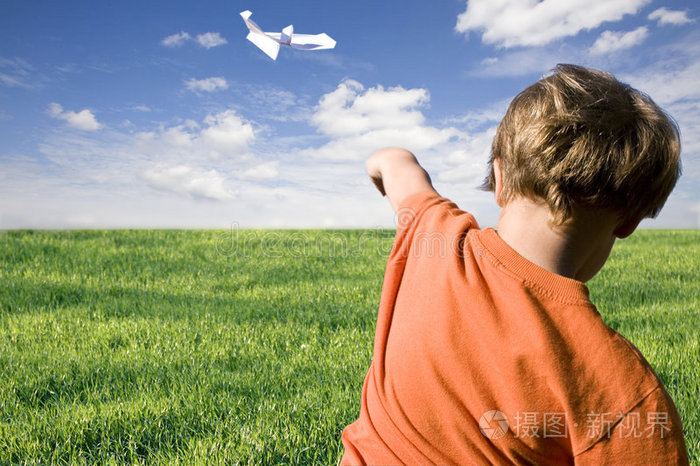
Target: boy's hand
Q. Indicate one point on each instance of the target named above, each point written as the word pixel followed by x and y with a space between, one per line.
pixel 397 174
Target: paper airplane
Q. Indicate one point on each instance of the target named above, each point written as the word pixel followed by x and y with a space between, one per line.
pixel 269 42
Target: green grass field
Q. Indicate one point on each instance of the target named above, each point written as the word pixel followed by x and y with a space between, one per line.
pixel 250 347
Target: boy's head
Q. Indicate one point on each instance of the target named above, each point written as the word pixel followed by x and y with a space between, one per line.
pixel 579 137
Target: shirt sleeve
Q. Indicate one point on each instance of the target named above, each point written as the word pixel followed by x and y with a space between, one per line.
pixel 413 206
pixel 424 210
pixel 651 433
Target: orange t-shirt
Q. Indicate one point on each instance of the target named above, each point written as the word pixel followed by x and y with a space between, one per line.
pixel 482 357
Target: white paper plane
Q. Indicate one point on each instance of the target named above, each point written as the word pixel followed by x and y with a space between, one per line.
pixel 269 42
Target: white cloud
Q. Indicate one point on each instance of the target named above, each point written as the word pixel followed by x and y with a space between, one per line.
pixel 264 171
pixel 178 136
pixel 672 84
pixel 226 134
pixel 196 160
pixel 348 110
pixel 220 141
pixel 484 117
pixel 83 119
pixel 206 40
pixel 221 137
pixel 191 181
pixel 670 81
pixel 272 96
pixel 510 23
pixel 670 17
pixel 208 84
pixel 360 121
pixel 176 40
pixel 269 102
pixel 210 39
pixel 467 160
pixel 140 108
pixel 12 81
pixel 530 61
pixel 359 147
pixel 16 73
pixel 610 41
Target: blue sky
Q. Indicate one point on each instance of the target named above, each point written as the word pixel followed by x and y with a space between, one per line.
pixel 161 114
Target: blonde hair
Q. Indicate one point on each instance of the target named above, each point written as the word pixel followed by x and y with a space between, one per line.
pixel 580 137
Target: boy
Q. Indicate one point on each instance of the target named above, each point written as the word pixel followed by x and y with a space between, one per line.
pixel 487 348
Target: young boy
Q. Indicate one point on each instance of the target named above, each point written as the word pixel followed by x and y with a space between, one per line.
pixel 487 348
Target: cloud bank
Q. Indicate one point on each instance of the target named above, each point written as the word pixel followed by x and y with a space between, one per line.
pixel 510 23
pixel 83 119
pixel 610 41
pixel 206 85
pixel 666 17
pixel 206 40
pixel 359 120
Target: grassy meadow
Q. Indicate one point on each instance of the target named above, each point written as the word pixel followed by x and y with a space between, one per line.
pixel 250 347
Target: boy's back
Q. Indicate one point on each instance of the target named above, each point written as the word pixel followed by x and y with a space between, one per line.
pixel 483 357
pixel 487 349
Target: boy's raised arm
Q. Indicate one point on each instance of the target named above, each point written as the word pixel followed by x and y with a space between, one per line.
pixel 397 174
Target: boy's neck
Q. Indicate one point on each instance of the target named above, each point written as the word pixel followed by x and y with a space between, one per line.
pixel 575 250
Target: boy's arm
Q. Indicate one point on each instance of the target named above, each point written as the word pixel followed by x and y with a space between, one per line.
pixel 397 174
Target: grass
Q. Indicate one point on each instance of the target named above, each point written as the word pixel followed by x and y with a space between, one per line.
pixel 649 291
pixel 249 347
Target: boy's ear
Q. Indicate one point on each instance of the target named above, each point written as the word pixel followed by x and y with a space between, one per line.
pixel 626 228
pixel 498 188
